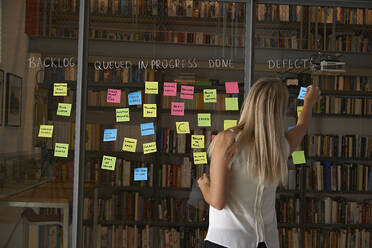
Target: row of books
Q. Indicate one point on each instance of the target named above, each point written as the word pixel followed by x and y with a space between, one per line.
pixel 328 210
pixel 337 177
pixel 176 176
pixel 294 180
pixel 288 209
pixel 50 236
pixel 345 83
pixel 350 238
pixel 289 237
pixel 117 236
pixel 343 105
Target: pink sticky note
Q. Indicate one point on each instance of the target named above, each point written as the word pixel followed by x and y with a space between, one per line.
pixel 187 92
pixel 232 87
pixel 113 95
pixel 178 108
pixel 213 135
pixel 170 89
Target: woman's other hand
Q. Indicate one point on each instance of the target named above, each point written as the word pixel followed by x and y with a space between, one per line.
pixel 312 94
pixel 203 181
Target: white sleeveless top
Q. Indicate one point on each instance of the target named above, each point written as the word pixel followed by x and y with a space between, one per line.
pixel 249 215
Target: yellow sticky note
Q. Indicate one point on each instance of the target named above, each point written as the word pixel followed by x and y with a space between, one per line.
pixel 231 103
pixel 108 163
pixel 149 147
pixel 200 158
pixel 149 110
pixel 64 109
pixel 210 95
pixel 229 123
pixel 299 110
pixel 46 131
pixel 60 89
pixel 61 150
pixel 204 120
pixel 298 157
pixel 122 114
pixel 182 127
pixel 197 141
pixel 129 145
pixel 151 87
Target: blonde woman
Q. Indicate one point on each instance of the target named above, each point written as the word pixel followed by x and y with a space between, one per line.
pixel 247 164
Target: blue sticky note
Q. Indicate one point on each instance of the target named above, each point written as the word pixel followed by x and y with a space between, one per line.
pixel 110 134
pixel 134 98
pixel 302 93
pixel 290 127
pixel 140 174
pixel 147 129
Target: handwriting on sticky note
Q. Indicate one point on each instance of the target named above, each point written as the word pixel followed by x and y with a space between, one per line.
pixel 149 147
pixel 108 163
pixel 197 141
pixel 299 110
pixel 122 114
pixel 187 92
pixel 151 88
pixel 200 158
pixel 204 120
pixel 229 124
pixel 232 87
pixel 60 89
pixel 210 95
pixel 147 129
pixel 135 98
pixel 231 103
pixel 170 89
pixel 61 150
pixel 110 134
pixel 298 157
pixel 140 174
pixel 182 127
pixel 302 93
pixel 113 95
pixel 178 108
pixel 46 131
pixel 129 145
pixel 64 109
pixel 149 110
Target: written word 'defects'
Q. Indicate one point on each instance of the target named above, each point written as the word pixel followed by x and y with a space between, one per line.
pixel 276 64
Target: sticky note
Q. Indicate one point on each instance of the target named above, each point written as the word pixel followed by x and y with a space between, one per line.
pixel 213 136
pixel 298 157
pixel 60 89
pixel 232 87
pixel 204 120
pixel 197 141
pixel 290 127
pixel 64 109
pixel 229 124
pixel 147 128
pixel 170 89
pixel 231 103
pixel 113 95
pixel 299 110
pixel 129 145
pixel 149 110
pixel 149 147
pixel 122 114
pixel 61 150
pixel 210 95
pixel 178 108
pixel 140 174
pixel 135 98
pixel 302 93
pixel 187 92
pixel 110 134
pixel 182 127
pixel 151 87
pixel 200 158
pixel 108 163
pixel 46 131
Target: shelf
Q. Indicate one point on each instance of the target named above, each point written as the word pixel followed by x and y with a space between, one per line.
pixel 339 192
pixel 338 226
pixel 341 159
pixel 288 192
pixel 329 26
pixel 336 93
pixel 285 225
pixel 153 223
pixel 342 116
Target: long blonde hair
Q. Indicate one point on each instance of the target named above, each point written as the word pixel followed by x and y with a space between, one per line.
pixel 261 132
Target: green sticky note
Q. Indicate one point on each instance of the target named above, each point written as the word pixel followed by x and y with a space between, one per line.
pixel 298 157
pixel 122 114
pixel 64 109
pixel 46 131
pixel 210 95
pixel 60 89
pixel 231 103
pixel 108 163
pixel 204 120
pixel 61 150
pixel 229 123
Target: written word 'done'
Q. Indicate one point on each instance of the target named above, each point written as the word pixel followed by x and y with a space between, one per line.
pixel 219 63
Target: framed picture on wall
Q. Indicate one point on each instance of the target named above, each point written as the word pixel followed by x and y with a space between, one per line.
pixel 1 95
pixel 13 104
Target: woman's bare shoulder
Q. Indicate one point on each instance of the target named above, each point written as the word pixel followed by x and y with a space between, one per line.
pixel 225 137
